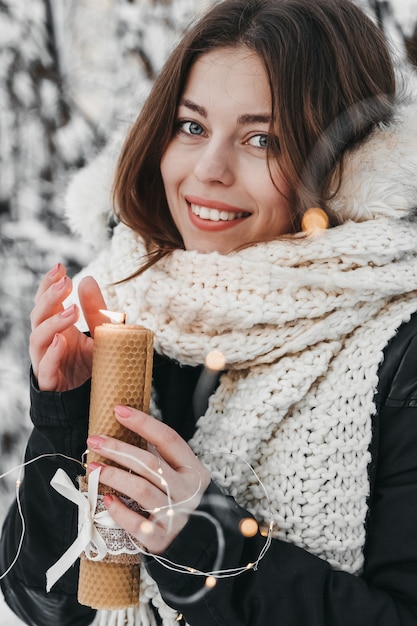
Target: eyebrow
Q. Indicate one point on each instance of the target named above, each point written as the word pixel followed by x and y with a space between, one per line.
pixel 247 118
pixel 254 119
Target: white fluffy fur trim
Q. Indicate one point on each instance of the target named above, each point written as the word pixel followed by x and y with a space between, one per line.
pixel 88 200
pixel 379 177
pixel 138 616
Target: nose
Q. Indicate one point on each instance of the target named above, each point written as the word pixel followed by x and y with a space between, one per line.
pixel 215 164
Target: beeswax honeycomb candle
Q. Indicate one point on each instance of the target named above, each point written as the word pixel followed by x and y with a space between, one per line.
pixel 121 374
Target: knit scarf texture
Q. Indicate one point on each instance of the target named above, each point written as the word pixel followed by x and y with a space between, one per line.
pixel 302 323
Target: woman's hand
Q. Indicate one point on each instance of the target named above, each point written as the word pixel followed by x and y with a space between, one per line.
pixel 167 480
pixel 61 355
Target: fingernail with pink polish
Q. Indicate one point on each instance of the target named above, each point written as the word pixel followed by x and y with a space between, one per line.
pixel 93 466
pixel 123 411
pixel 68 312
pixel 54 270
pixel 60 284
pixel 95 442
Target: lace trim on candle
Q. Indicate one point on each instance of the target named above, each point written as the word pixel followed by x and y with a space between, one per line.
pixel 89 543
pixel 120 547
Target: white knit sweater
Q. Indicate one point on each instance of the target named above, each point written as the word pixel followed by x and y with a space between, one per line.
pixel 302 324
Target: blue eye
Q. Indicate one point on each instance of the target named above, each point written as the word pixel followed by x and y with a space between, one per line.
pixel 259 141
pixel 190 128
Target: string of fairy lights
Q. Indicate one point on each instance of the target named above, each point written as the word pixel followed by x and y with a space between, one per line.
pixel 314 221
pixel 248 527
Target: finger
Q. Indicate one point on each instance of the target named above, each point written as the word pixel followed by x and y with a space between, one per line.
pixel 147 495
pixel 50 302
pixel 42 336
pixel 155 534
pixel 91 300
pixel 51 277
pixel 167 441
pixel 48 371
pixel 138 460
pixel 140 527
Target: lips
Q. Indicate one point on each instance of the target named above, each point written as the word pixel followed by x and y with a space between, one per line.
pixel 212 215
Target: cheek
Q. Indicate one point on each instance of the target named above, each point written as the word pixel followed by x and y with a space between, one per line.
pixel 171 178
pixel 272 196
pixel 281 197
pixel 173 169
pixel 277 215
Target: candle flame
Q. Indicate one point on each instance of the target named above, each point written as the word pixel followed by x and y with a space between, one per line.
pixel 114 316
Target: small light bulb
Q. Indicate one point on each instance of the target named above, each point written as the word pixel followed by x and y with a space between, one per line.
pixel 147 528
pixel 314 220
pixel 215 360
pixel 210 582
pixel 248 527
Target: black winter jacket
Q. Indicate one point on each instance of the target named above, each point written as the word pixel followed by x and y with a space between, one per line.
pixel 291 587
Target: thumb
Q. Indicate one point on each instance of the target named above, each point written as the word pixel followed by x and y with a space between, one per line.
pixel 91 300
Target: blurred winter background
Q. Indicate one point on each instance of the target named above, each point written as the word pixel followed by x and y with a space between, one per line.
pixel 72 74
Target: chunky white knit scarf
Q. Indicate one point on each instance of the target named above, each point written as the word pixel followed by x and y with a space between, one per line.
pixel 302 324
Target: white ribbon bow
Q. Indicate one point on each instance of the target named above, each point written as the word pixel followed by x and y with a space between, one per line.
pixel 89 539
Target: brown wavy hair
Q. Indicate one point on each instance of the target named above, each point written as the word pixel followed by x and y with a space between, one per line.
pixel 331 79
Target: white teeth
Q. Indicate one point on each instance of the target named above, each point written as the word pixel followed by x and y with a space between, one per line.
pixel 205 213
pixel 214 215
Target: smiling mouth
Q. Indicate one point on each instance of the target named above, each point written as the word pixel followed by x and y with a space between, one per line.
pixel 214 215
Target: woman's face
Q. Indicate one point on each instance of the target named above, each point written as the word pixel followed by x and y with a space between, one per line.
pixel 215 172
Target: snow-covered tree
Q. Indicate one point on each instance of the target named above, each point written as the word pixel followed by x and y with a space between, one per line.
pixel 72 74
pixel 43 135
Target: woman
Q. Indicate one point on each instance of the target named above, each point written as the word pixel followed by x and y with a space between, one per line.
pixel 265 110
